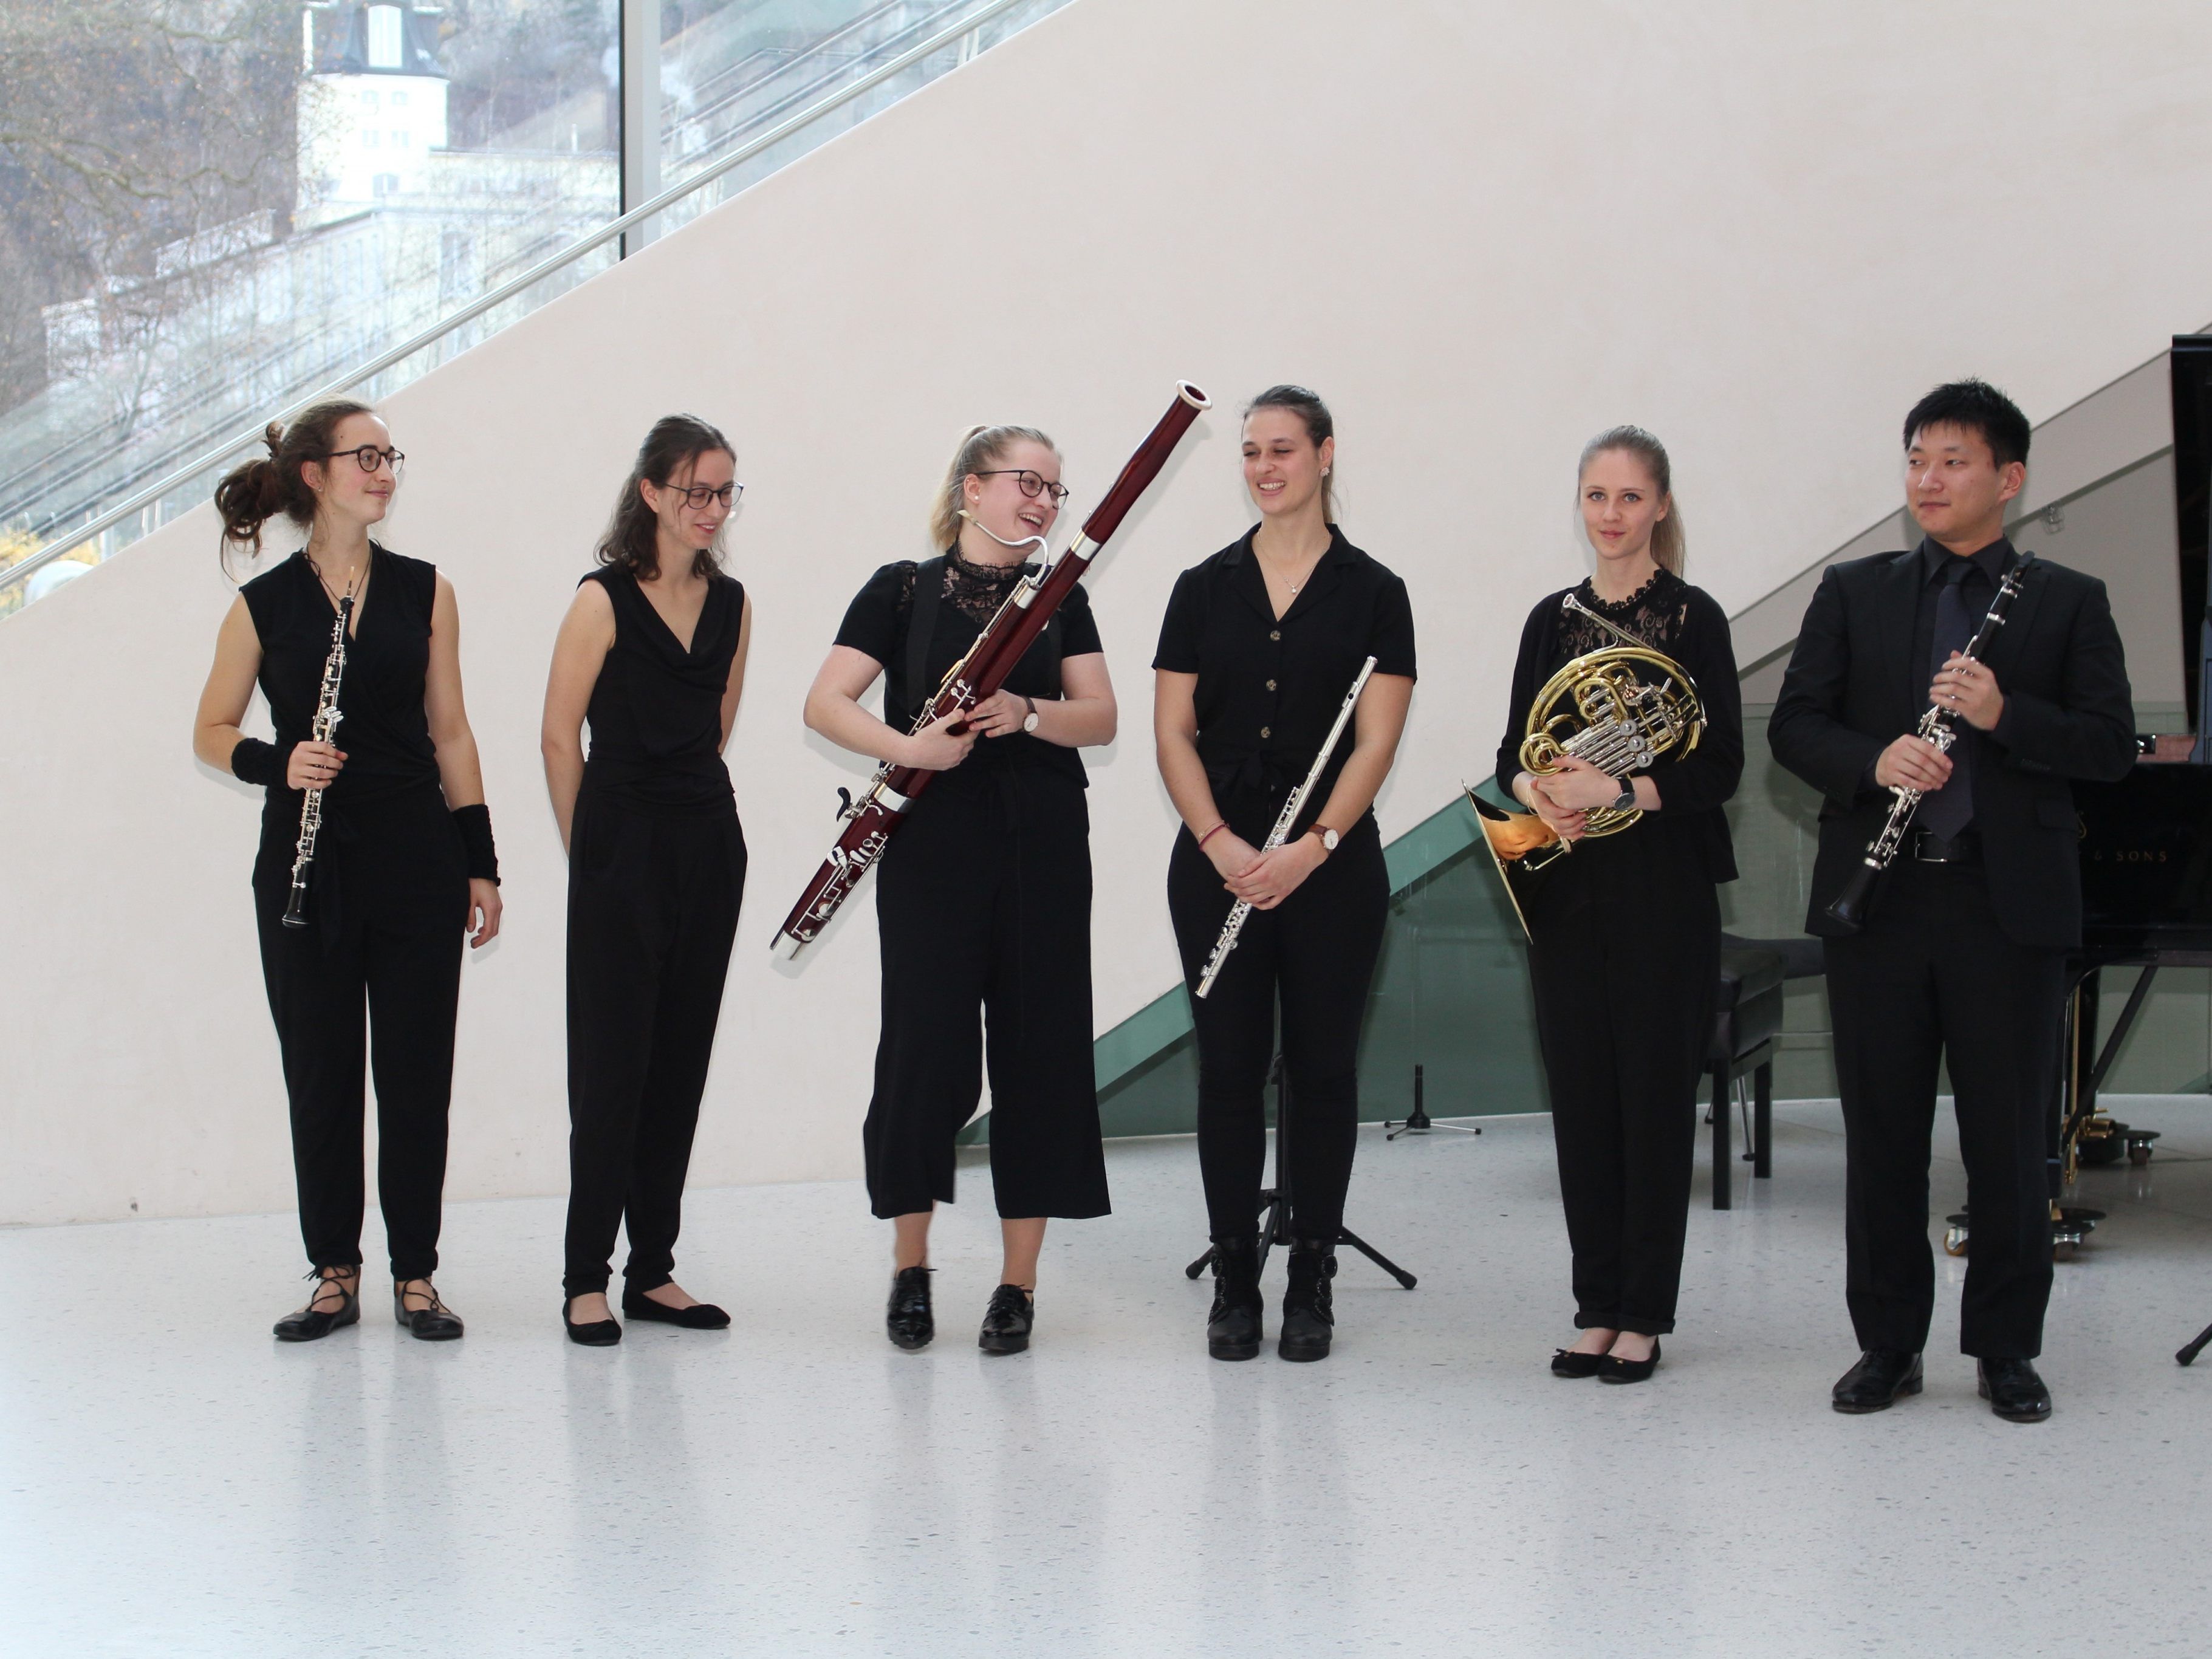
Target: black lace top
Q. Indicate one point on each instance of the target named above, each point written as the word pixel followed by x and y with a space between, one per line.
pixel 1670 615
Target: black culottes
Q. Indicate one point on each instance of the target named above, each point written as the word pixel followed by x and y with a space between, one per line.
pixel 652 912
pixel 984 899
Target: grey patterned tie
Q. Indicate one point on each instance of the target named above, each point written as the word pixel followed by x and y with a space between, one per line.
pixel 1949 810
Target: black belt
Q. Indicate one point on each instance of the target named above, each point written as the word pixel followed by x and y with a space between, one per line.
pixel 1928 848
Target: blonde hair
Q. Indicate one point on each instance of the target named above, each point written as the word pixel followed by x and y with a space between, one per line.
pixel 980 448
pixel 1667 539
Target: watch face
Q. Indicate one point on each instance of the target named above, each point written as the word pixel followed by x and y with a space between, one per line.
pixel 1030 721
pixel 1329 839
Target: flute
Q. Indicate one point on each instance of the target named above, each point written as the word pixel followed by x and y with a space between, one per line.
pixel 324 728
pixel 1281 832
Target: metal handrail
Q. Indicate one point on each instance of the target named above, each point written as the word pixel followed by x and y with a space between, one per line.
pixel 507 290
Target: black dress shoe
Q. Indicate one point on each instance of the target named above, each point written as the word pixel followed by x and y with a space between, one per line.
pixel 1566 1362
pixel 1233 1323
pixel 319 1317
pixel 435 1322
pixel 2014 1392
pixel 1883 1377
pixel 699 1317
pixel 1611 1368
pixel 908 1320
pixel 1007 1321
pixel 599 1333
pixel 1309 1321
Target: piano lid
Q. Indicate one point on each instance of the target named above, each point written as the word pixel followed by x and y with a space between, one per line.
pixel 2146 852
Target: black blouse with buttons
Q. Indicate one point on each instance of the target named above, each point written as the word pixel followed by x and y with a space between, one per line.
pixel 1269 687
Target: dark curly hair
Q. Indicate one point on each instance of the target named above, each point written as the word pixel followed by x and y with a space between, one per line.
pixel 272 484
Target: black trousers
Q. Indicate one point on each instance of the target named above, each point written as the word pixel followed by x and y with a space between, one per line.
pixel 652 911
pixel 388 899
pixel 984 898
pixel 1624 959
pixel 1934 977
pixel 1315 953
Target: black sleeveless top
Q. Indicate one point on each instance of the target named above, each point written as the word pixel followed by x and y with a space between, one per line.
pixel 385 729
pixel 878 624
pixel 656 711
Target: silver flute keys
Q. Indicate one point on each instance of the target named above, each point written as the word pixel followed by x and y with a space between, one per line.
pixel 1281 832
pixel 325 727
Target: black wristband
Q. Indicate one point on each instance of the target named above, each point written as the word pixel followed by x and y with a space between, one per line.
pixel 475 824
pixel 255 762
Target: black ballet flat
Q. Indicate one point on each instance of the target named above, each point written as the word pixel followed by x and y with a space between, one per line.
pixel 1008 1321
pixel 435 1324
pixel 1613 1369
pixel 310 1323
pixel 699 1317
pixel 1566 1362
pixel 599 1333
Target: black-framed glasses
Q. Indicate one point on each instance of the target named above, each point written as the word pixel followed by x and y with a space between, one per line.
pixel 369 458
pixel 1030 484
pixel 695 496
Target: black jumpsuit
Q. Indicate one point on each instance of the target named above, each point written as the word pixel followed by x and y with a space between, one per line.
pixel 656 870
pixel 1625 957
pixel 387 907
pixel 1269 688
pixel 983 898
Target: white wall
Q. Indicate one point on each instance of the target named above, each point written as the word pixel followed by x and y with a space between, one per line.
pixel 1483 229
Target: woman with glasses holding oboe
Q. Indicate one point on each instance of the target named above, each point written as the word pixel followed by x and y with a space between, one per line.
pixel 402 859
pixel 984 900
pixel 1259 648
pixel 652 653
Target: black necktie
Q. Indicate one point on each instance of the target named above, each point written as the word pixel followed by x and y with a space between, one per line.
pixel 1949 810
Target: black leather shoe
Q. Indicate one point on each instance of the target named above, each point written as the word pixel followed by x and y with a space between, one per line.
pixel 433 1321
pixel 1879 1381
pixel 1566 1362
pixel 699 1317
pixel 908 1320
pixel 2014 1392
pixel 1007 1321
pixel 1309 1322
pixel 1611 1368
pixel 599 1333
pixel 321 1315
pixel 1233 1323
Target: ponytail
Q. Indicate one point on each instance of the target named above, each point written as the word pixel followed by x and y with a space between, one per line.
pixel 273 484
pixel 979 447
pixel 1667 546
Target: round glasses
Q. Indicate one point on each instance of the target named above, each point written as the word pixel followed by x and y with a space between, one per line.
pixel 1030 484
pixel 695 496
pixel 369 458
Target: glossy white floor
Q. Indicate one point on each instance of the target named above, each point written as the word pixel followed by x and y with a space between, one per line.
pixel 177 1484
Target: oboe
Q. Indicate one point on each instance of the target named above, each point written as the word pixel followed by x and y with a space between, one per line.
pixel 325 727
pixel 1850 906
pixel 1281 832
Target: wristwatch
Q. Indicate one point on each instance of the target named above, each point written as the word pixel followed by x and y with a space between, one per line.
pixel 1328 837
pixel 1625 801
pixel 1029 720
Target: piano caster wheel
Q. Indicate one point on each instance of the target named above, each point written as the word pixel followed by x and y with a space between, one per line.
pixel 2106 1143
pixel 1954 1235
pixel 2070 1228
pixel 2139 1146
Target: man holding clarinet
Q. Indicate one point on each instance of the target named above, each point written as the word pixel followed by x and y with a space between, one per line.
pixel 1957 952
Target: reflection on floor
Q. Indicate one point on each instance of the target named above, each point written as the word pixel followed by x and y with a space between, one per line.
pixel 177 1484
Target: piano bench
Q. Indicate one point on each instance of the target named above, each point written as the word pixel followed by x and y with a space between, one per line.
pixel 1747 1016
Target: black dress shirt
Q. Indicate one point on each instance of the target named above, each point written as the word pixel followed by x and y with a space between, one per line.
pixel 1269 688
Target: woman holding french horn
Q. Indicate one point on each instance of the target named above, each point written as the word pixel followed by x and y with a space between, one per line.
pixel 1624 927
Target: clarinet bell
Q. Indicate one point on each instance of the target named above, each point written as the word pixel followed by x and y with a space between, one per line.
pixel 1848 908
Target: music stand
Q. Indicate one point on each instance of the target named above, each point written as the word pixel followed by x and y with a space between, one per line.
pixel 1419 1122
pixel 1275 1200
pixel 2197 1347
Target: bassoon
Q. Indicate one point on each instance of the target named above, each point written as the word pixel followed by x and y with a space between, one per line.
pixel 871 820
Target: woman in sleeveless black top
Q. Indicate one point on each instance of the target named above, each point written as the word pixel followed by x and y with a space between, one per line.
pixel 652 655
pixel 1624 936
pixel 984 896
pixel 404 863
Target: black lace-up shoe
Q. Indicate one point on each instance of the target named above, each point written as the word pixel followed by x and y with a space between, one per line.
pixel 1309 1322
pixel 1233 1323
pixel 908 1320
pixel 1879 1381
pixel 1007 1321
pixel 418 1307
pixel 2014 1392
pixel 331 1306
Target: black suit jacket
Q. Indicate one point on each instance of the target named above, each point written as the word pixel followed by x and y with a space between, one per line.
pixel 1853 688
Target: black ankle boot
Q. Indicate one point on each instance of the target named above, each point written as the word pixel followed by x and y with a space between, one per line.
pixel 1232 1325
pixel 1308 1321
pixel 908 1320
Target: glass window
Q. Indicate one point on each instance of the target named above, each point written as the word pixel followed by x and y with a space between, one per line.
pixel 384 36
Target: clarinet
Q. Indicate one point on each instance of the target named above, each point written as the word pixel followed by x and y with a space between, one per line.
pixel 1281 832
pixel 325 727
pixel 1849 909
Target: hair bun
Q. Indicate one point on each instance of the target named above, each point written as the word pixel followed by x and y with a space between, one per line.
pixel 274 437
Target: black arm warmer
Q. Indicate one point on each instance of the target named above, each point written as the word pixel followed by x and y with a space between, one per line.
pixel 475 824
pixel 255 762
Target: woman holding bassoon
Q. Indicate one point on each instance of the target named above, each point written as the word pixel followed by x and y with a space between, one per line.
pixel 1261 644
pixel 1624 931
pixel 653 654
pixel 402 858
pixel 984 898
